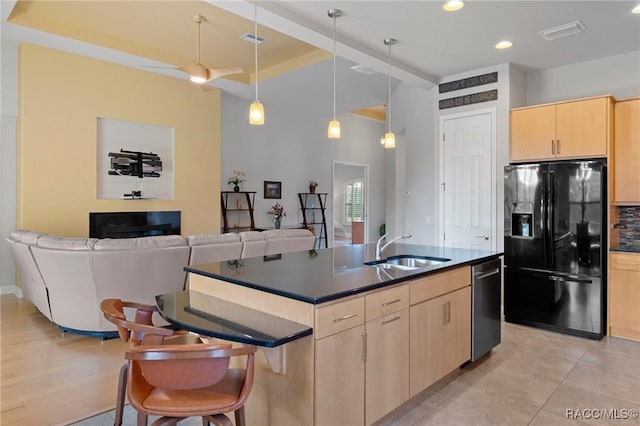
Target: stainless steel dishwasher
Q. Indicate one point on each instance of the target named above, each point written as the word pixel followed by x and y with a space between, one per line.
pixel 485 310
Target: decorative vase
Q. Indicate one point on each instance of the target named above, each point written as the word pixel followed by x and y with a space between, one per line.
pixel 312 189
pixel 276 222
pixel 236 188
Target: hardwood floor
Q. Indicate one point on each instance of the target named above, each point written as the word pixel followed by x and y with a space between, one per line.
pixel 48 378
pixel 532 378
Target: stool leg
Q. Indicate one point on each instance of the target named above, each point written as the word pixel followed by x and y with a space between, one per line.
pixel 240 416
pixel 122 391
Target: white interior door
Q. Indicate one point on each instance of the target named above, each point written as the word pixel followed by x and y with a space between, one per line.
pixel 468 181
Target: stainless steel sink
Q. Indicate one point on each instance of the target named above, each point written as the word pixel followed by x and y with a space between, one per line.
pixel 416 261
pixel 407 262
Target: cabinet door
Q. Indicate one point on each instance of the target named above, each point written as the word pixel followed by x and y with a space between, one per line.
pixel 339 396
pixel 426 322
pixel 624 296
pixel 582 128
pixel 532 133
pixel 627 152
pixel 387 366
pixel 457 330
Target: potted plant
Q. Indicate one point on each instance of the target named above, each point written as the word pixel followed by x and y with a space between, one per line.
pixel 312 186
pixel 235 180
pixel 278 212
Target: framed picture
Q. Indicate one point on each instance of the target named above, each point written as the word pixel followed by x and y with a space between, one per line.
pixel 272 189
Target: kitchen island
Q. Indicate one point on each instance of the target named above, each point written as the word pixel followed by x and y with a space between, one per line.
pixel 382 333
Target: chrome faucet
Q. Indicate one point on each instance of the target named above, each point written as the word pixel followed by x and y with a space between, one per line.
pixel 380 249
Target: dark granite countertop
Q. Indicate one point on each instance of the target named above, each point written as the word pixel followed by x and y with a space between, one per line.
pixel 626 249
pixel 318 276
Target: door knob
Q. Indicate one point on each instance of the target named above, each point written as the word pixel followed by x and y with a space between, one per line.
pixel 484 237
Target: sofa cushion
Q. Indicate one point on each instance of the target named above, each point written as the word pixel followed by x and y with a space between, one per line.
pixel 66 243
pixel 251 236
pixel 140 242
pixel 202 239
pixel 26 236
pixel 287 233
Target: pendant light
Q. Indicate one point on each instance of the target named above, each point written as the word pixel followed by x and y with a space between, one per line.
pixel 256 111
pixel 389 138
pixel 333 131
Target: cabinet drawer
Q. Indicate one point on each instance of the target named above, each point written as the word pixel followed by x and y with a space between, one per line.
pixel 435 285
pixel 338 317
pixel 385 302
pixel 625 261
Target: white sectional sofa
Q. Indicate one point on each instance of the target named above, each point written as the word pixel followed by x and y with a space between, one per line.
pixel 66 278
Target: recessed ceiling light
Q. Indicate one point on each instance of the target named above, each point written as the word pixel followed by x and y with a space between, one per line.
pixel 504 44
pixel 636 9
pixel 453 5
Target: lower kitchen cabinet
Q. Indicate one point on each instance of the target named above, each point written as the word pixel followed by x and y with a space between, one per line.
pixel 339 395
pixel 387 365
pixel 624 295
pixel 440 337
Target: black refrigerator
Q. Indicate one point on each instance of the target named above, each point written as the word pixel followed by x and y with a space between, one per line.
pixel 555 246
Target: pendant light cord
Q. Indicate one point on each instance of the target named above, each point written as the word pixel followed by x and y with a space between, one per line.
pixel 255 41
pixel 389 99
pixel 334 65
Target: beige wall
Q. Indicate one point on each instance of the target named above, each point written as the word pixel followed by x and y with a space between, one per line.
pixel 61 96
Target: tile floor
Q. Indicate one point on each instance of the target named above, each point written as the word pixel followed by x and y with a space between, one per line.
pixel 532 378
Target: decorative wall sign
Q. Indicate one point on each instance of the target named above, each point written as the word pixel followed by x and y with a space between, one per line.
pixel 468 82
pixel 491 95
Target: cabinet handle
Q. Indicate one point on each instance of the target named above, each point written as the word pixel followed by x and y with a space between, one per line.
pixel 391 320
pixel 392 302
pixel 553 147
pixel 444 313
pixel 558 146
pixel 364 347
pixel 448 312
pixel 345 317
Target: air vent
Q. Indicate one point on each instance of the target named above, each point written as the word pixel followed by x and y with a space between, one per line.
pixel 251 38
pixel 562 31
pixel 363 70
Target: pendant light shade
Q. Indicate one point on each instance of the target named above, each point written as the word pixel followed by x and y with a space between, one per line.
pixel 333 132
pixel 256 111
pixel 389 138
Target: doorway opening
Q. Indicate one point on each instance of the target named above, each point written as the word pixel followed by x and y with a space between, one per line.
pixel 350 203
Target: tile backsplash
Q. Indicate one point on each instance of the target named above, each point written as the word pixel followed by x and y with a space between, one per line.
pixel 629 219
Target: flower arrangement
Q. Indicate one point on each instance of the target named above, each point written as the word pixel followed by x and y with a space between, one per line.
pixel 312 185
pixel 277 211
pixel 237 178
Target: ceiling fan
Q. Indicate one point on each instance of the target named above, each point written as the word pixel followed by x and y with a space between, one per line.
pixel 199 73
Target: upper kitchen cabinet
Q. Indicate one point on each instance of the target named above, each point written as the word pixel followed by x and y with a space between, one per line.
pixel 627 152
pixel 573 129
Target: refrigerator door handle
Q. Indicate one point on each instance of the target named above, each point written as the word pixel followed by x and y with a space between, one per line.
pixel 550 232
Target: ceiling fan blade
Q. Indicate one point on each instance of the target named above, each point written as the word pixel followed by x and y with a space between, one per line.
pixel 162 67
pixel 217 73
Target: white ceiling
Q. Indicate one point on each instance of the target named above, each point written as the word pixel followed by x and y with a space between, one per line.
pixel 432 45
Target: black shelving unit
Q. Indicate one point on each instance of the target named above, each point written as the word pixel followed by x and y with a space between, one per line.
pixel 237 211
pixel 313 205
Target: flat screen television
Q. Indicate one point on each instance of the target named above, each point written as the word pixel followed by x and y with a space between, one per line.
pixel 133 224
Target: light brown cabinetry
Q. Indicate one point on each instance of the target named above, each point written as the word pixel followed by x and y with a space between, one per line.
pixel 627 152
pixel 624 295
pixel 439 326
pixel 363 366
pixel 339 371
pixel 387 352
pixel 574 129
